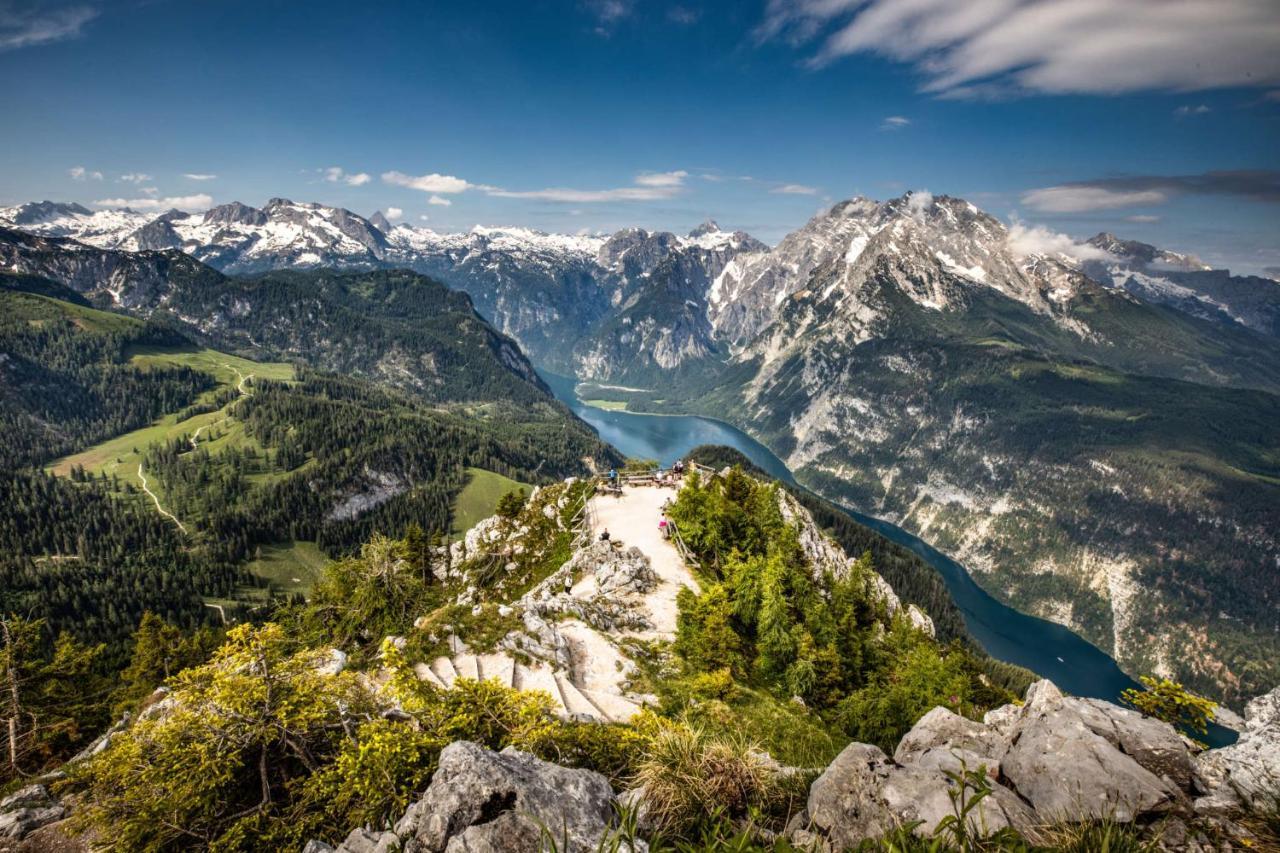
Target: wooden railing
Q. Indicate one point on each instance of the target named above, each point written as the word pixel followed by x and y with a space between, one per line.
pixel 581 523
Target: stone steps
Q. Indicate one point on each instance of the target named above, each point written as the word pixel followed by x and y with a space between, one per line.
pixel 573 700
pixel 443 668
pixel 499 667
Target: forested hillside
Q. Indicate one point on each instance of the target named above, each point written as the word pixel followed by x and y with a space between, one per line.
pixel 175 466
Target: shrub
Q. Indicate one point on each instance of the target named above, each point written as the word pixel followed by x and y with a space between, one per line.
pixel 692 780
pixel 1170 701
pixel 243 731
pixel 510 504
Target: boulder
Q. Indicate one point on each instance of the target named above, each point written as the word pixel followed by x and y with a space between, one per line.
pixel 480 800
pixel 26 810
pixel 1153 743
pixel 863 795
pixel 1246 773
pixel 367 841
pixel 944 740
pixel 332 662
pixel 621 571
pixel 1068 772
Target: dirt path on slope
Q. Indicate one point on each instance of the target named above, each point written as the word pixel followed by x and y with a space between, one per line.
pixel 632 519
pixel 163 511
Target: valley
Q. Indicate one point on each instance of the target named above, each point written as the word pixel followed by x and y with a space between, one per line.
pixel 1092 439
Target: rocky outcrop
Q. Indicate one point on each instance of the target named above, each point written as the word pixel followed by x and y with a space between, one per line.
pixel 1050 760
pixel 485 802
pixel 27 810
pixel 864 795
pixel 1246 773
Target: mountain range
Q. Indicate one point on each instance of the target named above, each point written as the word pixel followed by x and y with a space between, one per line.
pixel 1088 426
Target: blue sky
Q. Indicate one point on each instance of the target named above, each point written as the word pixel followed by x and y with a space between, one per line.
pixel 596 114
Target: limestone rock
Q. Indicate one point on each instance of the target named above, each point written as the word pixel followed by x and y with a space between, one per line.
pixel 945 740
pixel 368 841
pixel 26 810
pixel 844 801
pixel 863 795
pixel 485 801
pixel 1068 772
pixel 1248 771
pixel 332 663
pixel 1152 743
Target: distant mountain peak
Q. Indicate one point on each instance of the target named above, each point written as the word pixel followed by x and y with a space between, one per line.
pixel 708 227
pixel 380 222
pixel 235 213
pixel 41 211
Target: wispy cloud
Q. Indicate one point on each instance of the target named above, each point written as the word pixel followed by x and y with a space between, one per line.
pixel 80 173
pixel 1187 110
pixel 608 13
pixel 136 178
pixel 661 179
pixel 29 24
pixel 895 123
pixel 201 201
pixel 1079 198
pixel 648 186
pixel 683 15
pixel 337 175
pixel 431 183
pixel 199 176
pixel 1140 190
pixel 1142 218
pixel 1053 46
pixel 794 189
pixel 439 201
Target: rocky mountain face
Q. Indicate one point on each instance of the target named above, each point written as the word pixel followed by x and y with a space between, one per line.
pixel 1096 458
pixel 547 291
pixel 394 326
pixel 1184 282
pixel 659 286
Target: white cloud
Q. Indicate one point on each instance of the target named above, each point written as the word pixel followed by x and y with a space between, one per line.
pixel 794 189
pixel 608 13
pixel 648 186
pixel 394 213
pixel 1053 46
pixel 895 123
pixel 918 202
pixel 1038 240
pixel 28 25
pixel 136 178
pixel 424 217
pixel 335 174
pixel 80 173
pixel 662 179
pixel 439 201
pixel 1188 110
pixel 201 201
pixel 1078 199
pixel 566 194
pixel 431 183
pixel 1142 218
pixel 198 176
